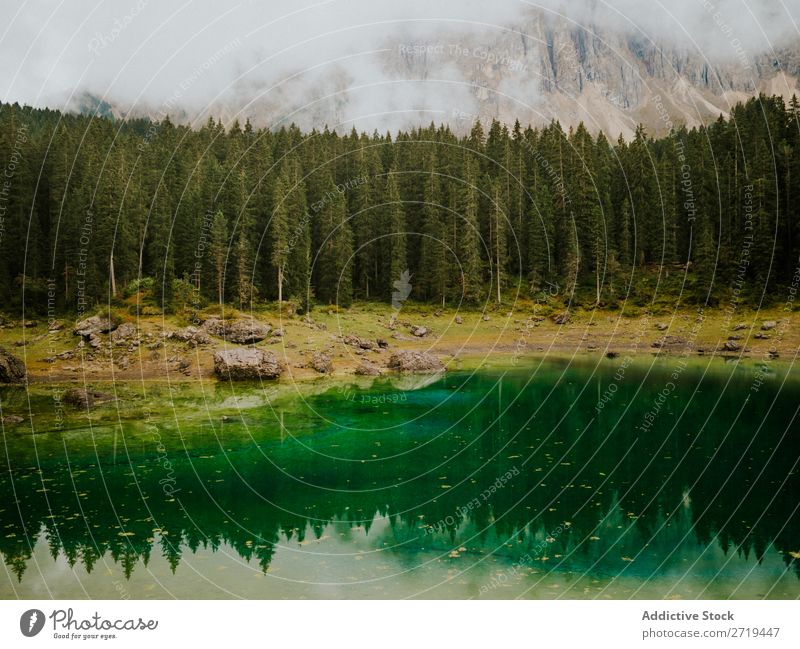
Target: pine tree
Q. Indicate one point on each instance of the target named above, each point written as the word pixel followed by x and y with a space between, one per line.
pixel 468 248
pixel 398 263
pixel 498 243
pixel 432 263
pixel 278 230
pixel 219 253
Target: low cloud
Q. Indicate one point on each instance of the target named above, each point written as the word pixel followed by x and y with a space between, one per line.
pixel 331 61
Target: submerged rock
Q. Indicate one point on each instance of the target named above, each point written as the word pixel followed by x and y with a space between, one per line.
pixel 247 363
pixel 768 324
pixel 12 369
pixel 411 361
pixel 561 318
pixel 81 398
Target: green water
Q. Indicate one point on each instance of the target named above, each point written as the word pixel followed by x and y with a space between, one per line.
pixel 589 479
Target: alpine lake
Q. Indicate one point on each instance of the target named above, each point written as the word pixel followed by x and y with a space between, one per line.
pixel 558 478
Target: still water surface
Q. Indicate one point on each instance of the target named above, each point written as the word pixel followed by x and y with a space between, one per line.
pixel 615 479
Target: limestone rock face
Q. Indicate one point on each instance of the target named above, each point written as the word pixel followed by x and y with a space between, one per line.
pixel 585 63
pixel 410 361
pixel 12 369
pixel 594 71
pixel 247 364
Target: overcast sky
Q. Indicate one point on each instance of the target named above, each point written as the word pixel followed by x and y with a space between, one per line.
pixel 146 54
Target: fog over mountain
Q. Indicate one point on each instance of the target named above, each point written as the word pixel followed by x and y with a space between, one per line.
pixel 387 65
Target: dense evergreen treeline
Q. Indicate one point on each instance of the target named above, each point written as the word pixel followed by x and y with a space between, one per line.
pixel 90 205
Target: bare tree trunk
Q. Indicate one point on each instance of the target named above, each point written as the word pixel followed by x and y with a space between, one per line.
pixel 497 257
pixel 597 279
pixel 113 279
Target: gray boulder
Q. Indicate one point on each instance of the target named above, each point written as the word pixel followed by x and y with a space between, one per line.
pixel 365 368
pixel 12 369
pixel 191 335
pixel 360 343
pixel 411 361
pixel 94 325
pixel 247 364
pixel 321 363
pixel 768 324
pixel 125 334
pixel 243 331
pixel 669 342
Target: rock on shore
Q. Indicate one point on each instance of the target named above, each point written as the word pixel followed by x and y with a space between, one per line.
pixel 411 361
pixel 93 325
pixel 247 363
pixel 12 369
pixel 321 362
pixel 244 331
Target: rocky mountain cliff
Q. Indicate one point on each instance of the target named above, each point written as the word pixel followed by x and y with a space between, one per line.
pixel 535 70
pixel 552 69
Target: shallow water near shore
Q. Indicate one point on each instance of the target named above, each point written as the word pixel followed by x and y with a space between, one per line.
pixel 615 478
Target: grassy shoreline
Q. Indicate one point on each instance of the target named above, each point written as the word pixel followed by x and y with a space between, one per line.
pixel 461 339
